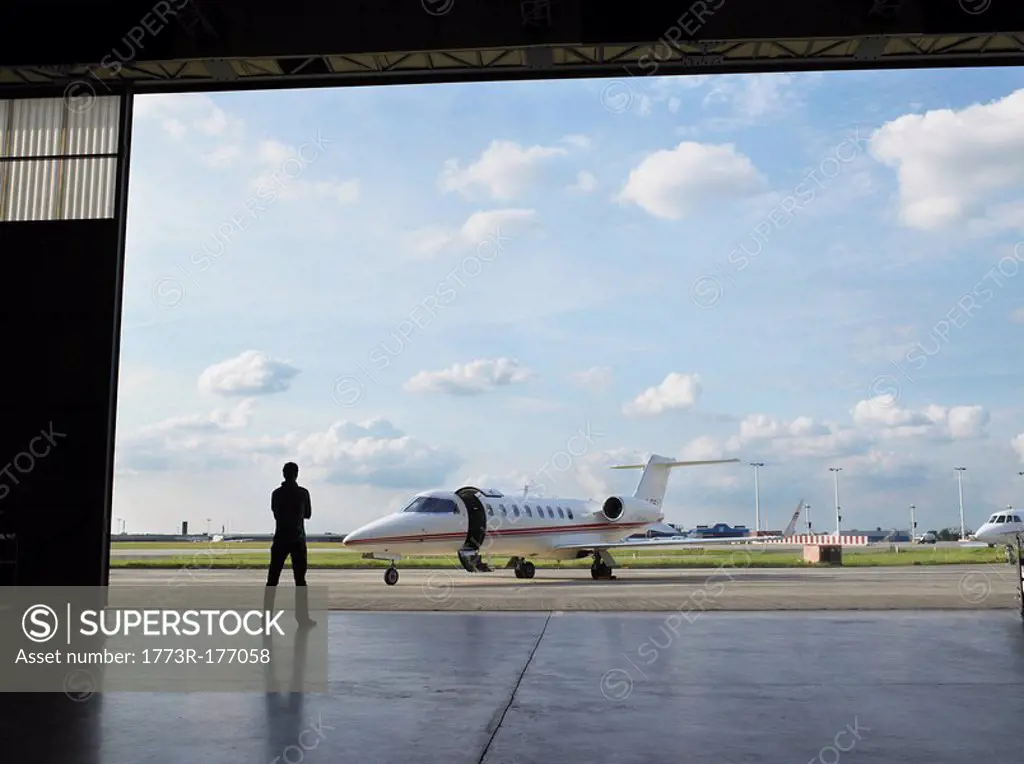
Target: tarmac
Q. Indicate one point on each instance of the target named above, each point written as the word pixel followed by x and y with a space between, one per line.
pixel 498 688
pixel 941 587
pixel 223 548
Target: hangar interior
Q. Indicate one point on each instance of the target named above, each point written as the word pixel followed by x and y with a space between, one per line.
pixel 63 211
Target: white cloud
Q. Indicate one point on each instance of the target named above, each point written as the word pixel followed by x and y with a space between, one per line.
pixel 676 391
pixel 505 169
pixel 251 373
pixel 702 449
pixel 967 422
pixel 179 114
pixel 1017 444
pixel 798 438
pixel 222 156
pixel 578 141
pixel 672 183
pixel 281 171
pixel 219 420
pixel 188 442
pixel 471 378
pixel 874 422
pixel 479 228
pixel 888 420
pixel 753 96
pixel 948 162
pixel 374 453
pixel 596 379
pixel 585 182
pixel 598 481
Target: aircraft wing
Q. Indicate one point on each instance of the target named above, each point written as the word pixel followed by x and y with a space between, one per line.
pixel 668 543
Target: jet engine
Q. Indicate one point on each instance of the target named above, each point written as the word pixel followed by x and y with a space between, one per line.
pixel 618 508
pixel 613 508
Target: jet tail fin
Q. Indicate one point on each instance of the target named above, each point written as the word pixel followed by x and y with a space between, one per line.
pixel 654 480
pixel 791 528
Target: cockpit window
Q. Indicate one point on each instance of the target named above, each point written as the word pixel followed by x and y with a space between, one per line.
pixel 431 505
pixel 1000 519
pixel 1016 518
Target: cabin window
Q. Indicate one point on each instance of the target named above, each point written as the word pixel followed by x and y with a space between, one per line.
pixel 490 510
pixel 528 512
pixel 515 510
pixel 560 514
pixel 569 511
pixel 504 511
pixel 551 512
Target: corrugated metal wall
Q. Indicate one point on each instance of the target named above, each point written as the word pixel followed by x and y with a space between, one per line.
pixel 58 160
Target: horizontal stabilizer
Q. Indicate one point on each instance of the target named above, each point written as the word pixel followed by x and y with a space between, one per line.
pixel 673 464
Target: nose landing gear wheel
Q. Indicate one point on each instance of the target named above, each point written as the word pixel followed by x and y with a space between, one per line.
pixel 391 576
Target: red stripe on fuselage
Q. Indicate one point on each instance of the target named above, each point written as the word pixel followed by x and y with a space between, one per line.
pixel 508 532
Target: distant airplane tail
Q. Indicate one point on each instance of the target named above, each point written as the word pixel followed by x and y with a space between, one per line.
pixel 654 480
pixel 791 528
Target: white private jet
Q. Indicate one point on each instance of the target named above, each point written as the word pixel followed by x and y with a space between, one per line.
pixel 1003 528
pixel 471 520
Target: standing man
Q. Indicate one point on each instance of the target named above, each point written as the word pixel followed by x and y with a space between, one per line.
pixel 291 506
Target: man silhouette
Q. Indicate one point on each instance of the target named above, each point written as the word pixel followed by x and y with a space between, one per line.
pixel 291 506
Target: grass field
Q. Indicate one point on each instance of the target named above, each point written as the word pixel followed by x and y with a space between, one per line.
pixel 226 556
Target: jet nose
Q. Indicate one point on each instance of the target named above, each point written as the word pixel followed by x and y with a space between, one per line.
pixel 359 534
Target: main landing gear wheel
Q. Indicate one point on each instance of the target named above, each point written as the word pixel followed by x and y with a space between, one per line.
pixel 599 570
pixel 525 569
pixel 391 576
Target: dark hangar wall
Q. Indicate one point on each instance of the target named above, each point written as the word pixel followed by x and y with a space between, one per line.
pixel 61 233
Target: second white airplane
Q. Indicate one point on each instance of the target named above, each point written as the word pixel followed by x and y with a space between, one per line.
pixel 1004 528
pixel 471 520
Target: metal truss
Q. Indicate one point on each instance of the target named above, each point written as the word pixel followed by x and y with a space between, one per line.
pixel 541 62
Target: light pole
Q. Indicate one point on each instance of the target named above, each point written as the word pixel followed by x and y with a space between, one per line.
pixel 913 523
pixel 960 492
pixel 808 508
pixel 757 497
pixel 839 518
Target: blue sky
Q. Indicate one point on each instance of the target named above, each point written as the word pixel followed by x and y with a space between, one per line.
pixel 414 287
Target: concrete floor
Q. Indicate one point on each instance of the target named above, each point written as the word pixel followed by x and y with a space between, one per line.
pixel 466 688
pixel 974 587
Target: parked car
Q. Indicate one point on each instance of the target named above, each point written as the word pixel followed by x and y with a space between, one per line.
pixel 928 537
